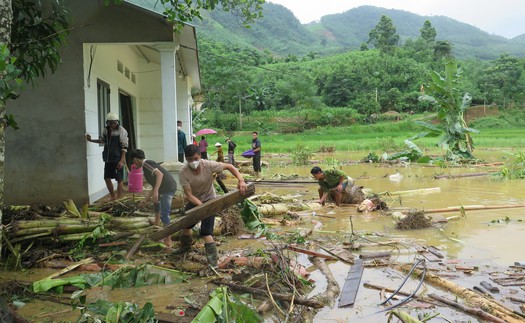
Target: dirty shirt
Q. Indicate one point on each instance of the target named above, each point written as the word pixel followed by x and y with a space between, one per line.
pixel 168 182
pixel 201 184
pixel 114 142
pixel 331 179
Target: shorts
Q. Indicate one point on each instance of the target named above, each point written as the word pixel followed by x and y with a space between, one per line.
pixel 207 224
pixel 111 171
pixel 164 206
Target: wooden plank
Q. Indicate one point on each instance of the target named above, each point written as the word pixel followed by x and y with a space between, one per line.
pixel 435 251
pixel 197 214
pixel 310 252
pixel 341 253
pixel 351 286
pixel 379 254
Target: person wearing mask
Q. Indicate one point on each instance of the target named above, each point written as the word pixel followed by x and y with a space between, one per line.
pixel 115 140
pixel 196 178
pixel 181 139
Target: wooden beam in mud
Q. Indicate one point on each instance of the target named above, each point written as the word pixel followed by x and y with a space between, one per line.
pixel 197 214
pixel 474 208
pixel 351 286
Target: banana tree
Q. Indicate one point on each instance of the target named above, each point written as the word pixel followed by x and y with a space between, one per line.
pixel 444 94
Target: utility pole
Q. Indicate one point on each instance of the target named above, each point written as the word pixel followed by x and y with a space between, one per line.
pixel 240 113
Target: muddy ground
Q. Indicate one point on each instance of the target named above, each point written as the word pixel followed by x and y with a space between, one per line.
pixel 465 251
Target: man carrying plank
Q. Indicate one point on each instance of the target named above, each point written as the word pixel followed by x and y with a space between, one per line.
pixel 196 179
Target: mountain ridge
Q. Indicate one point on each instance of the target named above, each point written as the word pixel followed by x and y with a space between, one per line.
pixel 350 29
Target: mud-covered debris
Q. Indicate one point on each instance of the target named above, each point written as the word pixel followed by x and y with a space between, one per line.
pixel 414 219
pixel 231 221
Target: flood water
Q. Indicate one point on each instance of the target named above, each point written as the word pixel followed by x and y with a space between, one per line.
pixel 478 239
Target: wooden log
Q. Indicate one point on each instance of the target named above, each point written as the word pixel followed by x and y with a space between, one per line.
pixel 332 287
pixel 233 261
pixel 391 290
pixel 471 296
pixel 380 254
pixel 435 252
pixel 473 208
pixel 69 268
pixel 470 310
pixel 310 252
pixel 463 175
pixel 282 208
pixel 197 214
pixel 421 191
pixel 340 253
pixel 279 296
pixel 517 299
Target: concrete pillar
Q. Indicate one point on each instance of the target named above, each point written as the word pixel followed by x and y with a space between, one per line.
pixel 169 99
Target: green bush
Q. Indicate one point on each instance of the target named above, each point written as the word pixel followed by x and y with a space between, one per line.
pixel 490 123
pixel 301 155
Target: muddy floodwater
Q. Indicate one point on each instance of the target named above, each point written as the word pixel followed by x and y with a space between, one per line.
pixel 490 239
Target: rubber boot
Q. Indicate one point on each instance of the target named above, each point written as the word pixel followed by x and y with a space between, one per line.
pixel 185 245
pixel 211 254
pixel 258 178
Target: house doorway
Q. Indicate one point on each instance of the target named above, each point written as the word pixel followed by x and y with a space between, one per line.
pixel 128 122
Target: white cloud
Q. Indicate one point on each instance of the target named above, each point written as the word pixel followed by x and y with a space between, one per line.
pixel 503 17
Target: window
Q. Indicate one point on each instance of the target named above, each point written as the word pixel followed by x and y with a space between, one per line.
pixel 103 97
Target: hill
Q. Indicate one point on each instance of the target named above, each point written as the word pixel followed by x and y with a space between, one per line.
pixel 280 32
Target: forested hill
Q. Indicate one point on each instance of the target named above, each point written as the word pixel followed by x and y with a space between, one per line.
pixel 280 32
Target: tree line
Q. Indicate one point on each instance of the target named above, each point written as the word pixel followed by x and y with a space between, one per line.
pixel 383 75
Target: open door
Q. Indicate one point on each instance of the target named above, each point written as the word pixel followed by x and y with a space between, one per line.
pixel 128 122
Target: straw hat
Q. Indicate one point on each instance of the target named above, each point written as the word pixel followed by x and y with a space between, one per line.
pixel 218 144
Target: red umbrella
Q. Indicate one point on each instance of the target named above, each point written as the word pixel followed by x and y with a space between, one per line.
pixel 205 132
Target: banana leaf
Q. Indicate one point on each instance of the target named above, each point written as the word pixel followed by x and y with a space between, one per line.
pixel 225 307
pixel 125 277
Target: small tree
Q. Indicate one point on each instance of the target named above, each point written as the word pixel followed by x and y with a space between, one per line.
pixel 384 36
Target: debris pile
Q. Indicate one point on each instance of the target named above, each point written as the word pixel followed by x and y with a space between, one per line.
pixel 413 219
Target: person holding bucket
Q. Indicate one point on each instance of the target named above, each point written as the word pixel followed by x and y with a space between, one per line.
pixel 163 188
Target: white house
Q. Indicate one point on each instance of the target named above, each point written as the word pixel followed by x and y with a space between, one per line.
pixel 119 58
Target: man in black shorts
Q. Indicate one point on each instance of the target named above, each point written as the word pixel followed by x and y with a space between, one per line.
pixel 115 140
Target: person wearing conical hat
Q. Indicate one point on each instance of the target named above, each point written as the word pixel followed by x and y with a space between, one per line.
pixel 219 152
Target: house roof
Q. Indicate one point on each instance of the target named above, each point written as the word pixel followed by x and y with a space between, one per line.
pixel 186 39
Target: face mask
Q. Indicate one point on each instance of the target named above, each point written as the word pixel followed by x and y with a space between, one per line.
pixel 195 164
pixel 178 127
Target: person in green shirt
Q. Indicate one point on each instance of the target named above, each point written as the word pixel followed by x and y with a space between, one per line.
pixel 331 180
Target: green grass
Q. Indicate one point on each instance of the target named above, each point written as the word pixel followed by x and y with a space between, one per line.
pixel 381 137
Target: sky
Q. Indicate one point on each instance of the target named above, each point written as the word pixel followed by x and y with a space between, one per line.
pixel 500 17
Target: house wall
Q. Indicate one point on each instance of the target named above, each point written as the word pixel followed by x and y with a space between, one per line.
pixel 150 115
pixel 46 160
pixel 103 65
